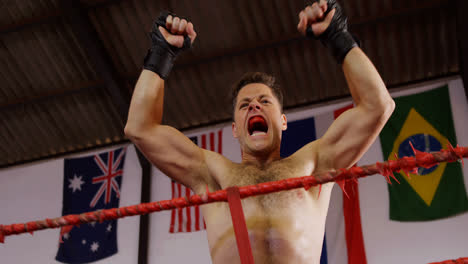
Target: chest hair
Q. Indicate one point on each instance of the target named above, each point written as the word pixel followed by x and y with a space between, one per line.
pixel 249 175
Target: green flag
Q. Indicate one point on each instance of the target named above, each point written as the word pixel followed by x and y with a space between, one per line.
pixel 425 120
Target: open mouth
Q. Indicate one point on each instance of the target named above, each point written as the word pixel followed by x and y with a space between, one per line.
pixel 257 126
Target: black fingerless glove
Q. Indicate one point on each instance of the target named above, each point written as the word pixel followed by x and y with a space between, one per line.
pixel 161 56
pixel 336 37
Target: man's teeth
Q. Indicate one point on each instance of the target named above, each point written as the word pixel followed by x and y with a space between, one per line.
pixel 257 133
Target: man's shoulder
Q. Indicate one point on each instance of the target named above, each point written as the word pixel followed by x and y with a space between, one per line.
pixel 219 167
pixel 216 159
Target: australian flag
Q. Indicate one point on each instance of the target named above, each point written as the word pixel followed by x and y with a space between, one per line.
pixel 91 183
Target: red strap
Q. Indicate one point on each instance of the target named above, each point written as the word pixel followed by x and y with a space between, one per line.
pixel 352 215
pixel 2 236
pixel 240 227
pixel 353 228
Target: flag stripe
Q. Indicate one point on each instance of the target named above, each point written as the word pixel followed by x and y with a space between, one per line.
pixel 100 163
pixel 109 172
pixel 188 209
pixel 173 213
pixel 220 141
pixel 97 196
pixel 118 160
pixel 180 212
pixel 197 218
pixel 190 219
pixel 212 142
pixel 203 141
pixel 115 187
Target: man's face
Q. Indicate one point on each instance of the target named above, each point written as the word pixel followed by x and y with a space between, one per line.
pixel 258 121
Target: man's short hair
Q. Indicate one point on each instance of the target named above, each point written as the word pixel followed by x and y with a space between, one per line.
pixel 256 77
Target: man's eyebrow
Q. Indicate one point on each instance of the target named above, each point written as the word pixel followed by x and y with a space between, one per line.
pixel 265 95
pixel 247 99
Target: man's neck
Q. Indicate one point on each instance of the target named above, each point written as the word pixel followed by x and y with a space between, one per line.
pixel 260 159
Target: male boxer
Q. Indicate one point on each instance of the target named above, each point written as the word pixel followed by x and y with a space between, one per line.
pixel 284 227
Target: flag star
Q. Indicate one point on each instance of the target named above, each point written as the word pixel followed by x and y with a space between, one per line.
pixel 93 224
pixel 94 246
pixel 75 183
pixel 66 236
pixel 83 241
pixel 109 228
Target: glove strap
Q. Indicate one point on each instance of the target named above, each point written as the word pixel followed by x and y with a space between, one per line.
pixel 340 44
pixel 160 58
pixel 160 61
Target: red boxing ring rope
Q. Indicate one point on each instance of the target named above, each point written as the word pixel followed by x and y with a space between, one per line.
pixel 454 261
pixel 405 164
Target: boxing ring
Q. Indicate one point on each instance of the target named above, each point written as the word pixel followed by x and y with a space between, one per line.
pixel 233 196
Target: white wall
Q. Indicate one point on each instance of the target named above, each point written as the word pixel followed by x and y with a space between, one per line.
pixel 34 192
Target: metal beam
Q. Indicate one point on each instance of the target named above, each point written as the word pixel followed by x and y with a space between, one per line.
pixel 253 47
pixel 52 16
pixel 462 34
pixel 76 15
pixel 143 244
pixel 52 95
pixel 99 3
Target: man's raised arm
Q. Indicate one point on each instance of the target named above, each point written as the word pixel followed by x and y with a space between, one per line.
pixel 355 130
pixel 167 148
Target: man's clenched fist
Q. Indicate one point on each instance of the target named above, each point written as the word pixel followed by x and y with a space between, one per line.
pixel 314 16
pixel 170 36
pixel 325 20
pixel 176 30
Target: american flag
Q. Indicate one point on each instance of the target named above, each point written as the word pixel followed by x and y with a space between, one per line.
pixel 190 219
pixel 91 183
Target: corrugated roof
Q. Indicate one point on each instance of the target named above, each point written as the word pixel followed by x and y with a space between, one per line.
pixel 55 99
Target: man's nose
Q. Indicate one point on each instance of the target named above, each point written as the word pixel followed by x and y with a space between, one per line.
pixel 254 105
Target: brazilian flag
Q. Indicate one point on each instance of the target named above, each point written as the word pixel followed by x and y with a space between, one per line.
pixel 425 120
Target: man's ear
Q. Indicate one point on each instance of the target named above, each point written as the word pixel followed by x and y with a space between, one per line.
pixel 284 122
pixel 234 130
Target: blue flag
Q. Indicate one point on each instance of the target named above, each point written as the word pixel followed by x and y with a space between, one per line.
pixel 299 134
pixel 91 183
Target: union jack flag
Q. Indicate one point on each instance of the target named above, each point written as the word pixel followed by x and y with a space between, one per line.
pixel 190 219
pixel 91 183
pixel 108 182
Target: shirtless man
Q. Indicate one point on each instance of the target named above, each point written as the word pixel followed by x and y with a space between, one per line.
pixel 285 227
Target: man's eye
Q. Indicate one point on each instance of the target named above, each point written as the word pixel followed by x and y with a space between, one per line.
pixel 243 106
pixel 265 102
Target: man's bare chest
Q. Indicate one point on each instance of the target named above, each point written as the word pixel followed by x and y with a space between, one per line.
pixel 274 218
pixel 242 175
pixel 250 175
